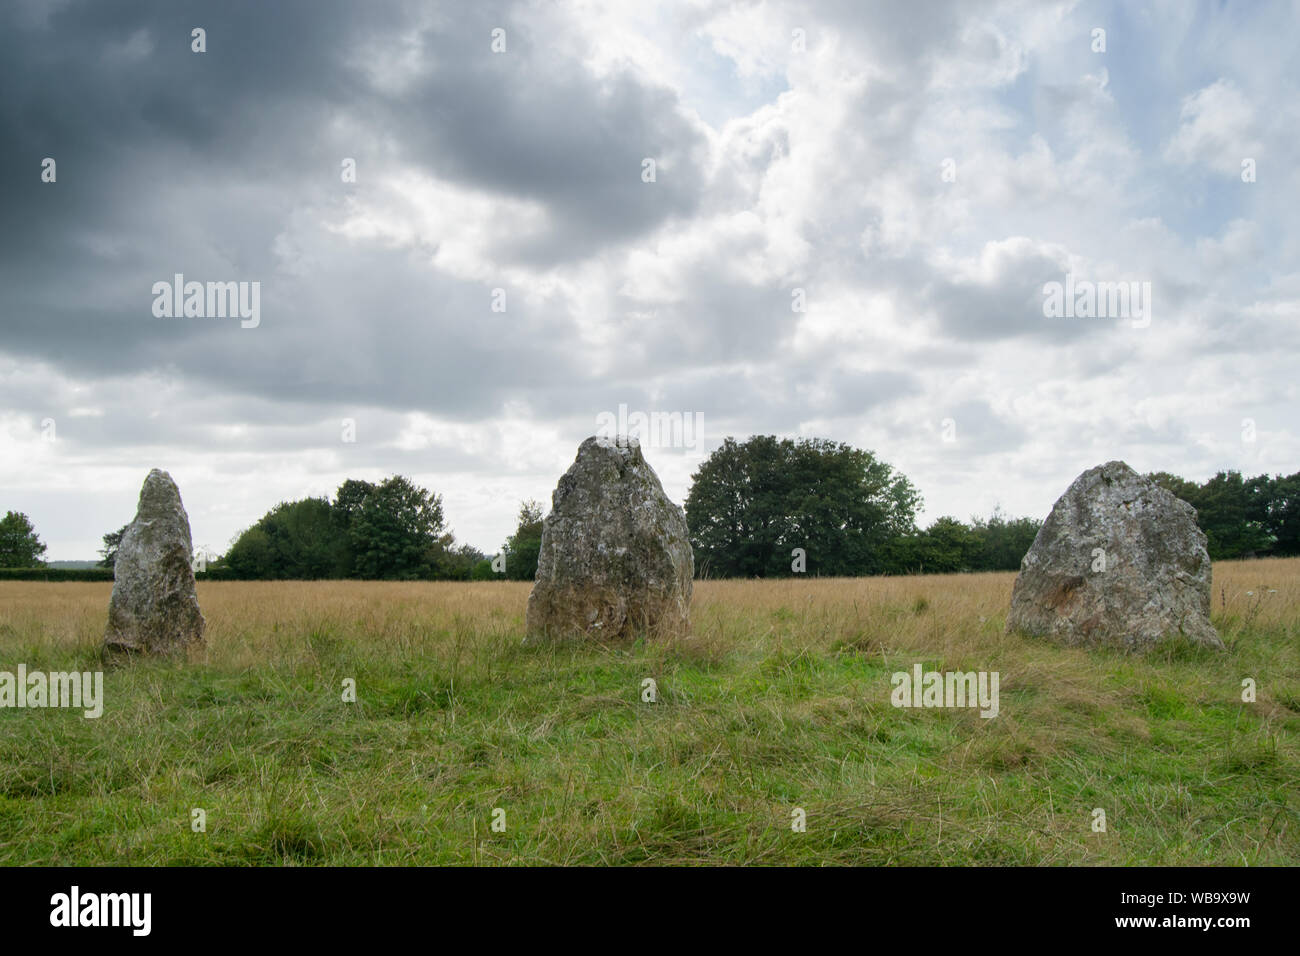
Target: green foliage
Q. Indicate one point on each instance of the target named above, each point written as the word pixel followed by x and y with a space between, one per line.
pixel 752 503
pixel 1003 541
pixel 112 541
pixel 525 545
pixel 1281 514
pixel 458 563
pixel 946 546
pixel 996 543
pixel 396 531
pixel 19 545
pixel 55 574
pixel 1243 517
pixel 391 530
pixel 297 540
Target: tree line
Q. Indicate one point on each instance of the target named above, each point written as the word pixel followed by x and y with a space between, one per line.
pixel 764 507
pixel 770 507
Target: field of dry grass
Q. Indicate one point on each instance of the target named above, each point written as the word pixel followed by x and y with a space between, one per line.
pixel 779 700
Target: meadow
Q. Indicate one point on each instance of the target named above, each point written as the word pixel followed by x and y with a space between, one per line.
pixel 780 700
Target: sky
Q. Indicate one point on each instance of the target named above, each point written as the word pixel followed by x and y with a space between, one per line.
pixel 475 229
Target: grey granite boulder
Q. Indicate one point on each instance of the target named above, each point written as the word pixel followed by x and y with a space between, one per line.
pixel 615 559
pixel 154 608
pixel 1119 562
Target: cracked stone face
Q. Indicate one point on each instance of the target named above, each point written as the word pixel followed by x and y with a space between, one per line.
pixel 154 608
pixel 616 559
pixel 1119 562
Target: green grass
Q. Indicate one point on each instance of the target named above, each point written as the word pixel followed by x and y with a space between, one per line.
pixel 765 713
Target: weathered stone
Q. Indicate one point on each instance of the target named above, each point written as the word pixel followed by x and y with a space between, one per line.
pixel 154 608
pixel 1119 562
pixel 615 559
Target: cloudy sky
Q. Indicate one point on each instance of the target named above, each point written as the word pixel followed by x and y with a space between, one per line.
pixel 909 174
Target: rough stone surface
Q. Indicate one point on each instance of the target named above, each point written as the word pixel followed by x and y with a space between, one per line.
pixel 1156 582
pixel 616 559
pixel 154 608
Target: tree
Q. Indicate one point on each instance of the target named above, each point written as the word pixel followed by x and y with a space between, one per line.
pixel 112 541
pixel 1231 511
pixel 19 545
pixel 1231 515
pixel 951 546
pixel 458 563
pixel 1281 516
pixel 525 545
pixel 390 530
pixel 348 499
pixel 296 540
pixel 753 503
pixel 251 556
pixel 396 531
pixel 1003 541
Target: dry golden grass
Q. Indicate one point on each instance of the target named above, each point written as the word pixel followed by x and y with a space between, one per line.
pixel 964 613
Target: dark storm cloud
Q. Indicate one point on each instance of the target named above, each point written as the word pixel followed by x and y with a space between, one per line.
pixel 172 161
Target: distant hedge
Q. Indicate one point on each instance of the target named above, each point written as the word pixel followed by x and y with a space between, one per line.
pixel 56 574
pixel 218 574
pixel 95 574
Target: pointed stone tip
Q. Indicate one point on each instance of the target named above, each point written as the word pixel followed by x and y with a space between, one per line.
pixel 159 490
pixel 626 445
pixel 157 477
pixel 1109 471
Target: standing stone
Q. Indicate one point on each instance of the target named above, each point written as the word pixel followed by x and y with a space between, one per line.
pixel 154 609
pixel 1119 562
pixel 616 559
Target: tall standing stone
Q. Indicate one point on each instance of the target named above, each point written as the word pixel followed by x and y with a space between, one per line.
pixel 154 608
pixel 615 558
pixel 1119 562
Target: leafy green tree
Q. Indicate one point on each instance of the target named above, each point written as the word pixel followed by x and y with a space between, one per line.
pixel 20 547
pixel 946 546
pixel 112 541
pixel 251 556
pixel 387 530
pixel 1281 514
pixel 457 563
pixel 952 546
pixel 752 503
pixel 1232 517
pixel 349 497
pixel 1003 541
pixel 1178 487
pixel 1232 511
pixel 296 540
pixel 525 545
pixel 396 531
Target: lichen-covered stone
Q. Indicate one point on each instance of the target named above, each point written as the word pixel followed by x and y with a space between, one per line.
pixel 1119 562
pixel 154 608
pixel 615 558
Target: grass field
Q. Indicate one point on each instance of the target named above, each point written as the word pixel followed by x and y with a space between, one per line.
pixel 780 700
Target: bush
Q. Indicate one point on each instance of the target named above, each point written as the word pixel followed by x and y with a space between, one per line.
pixel 56 574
